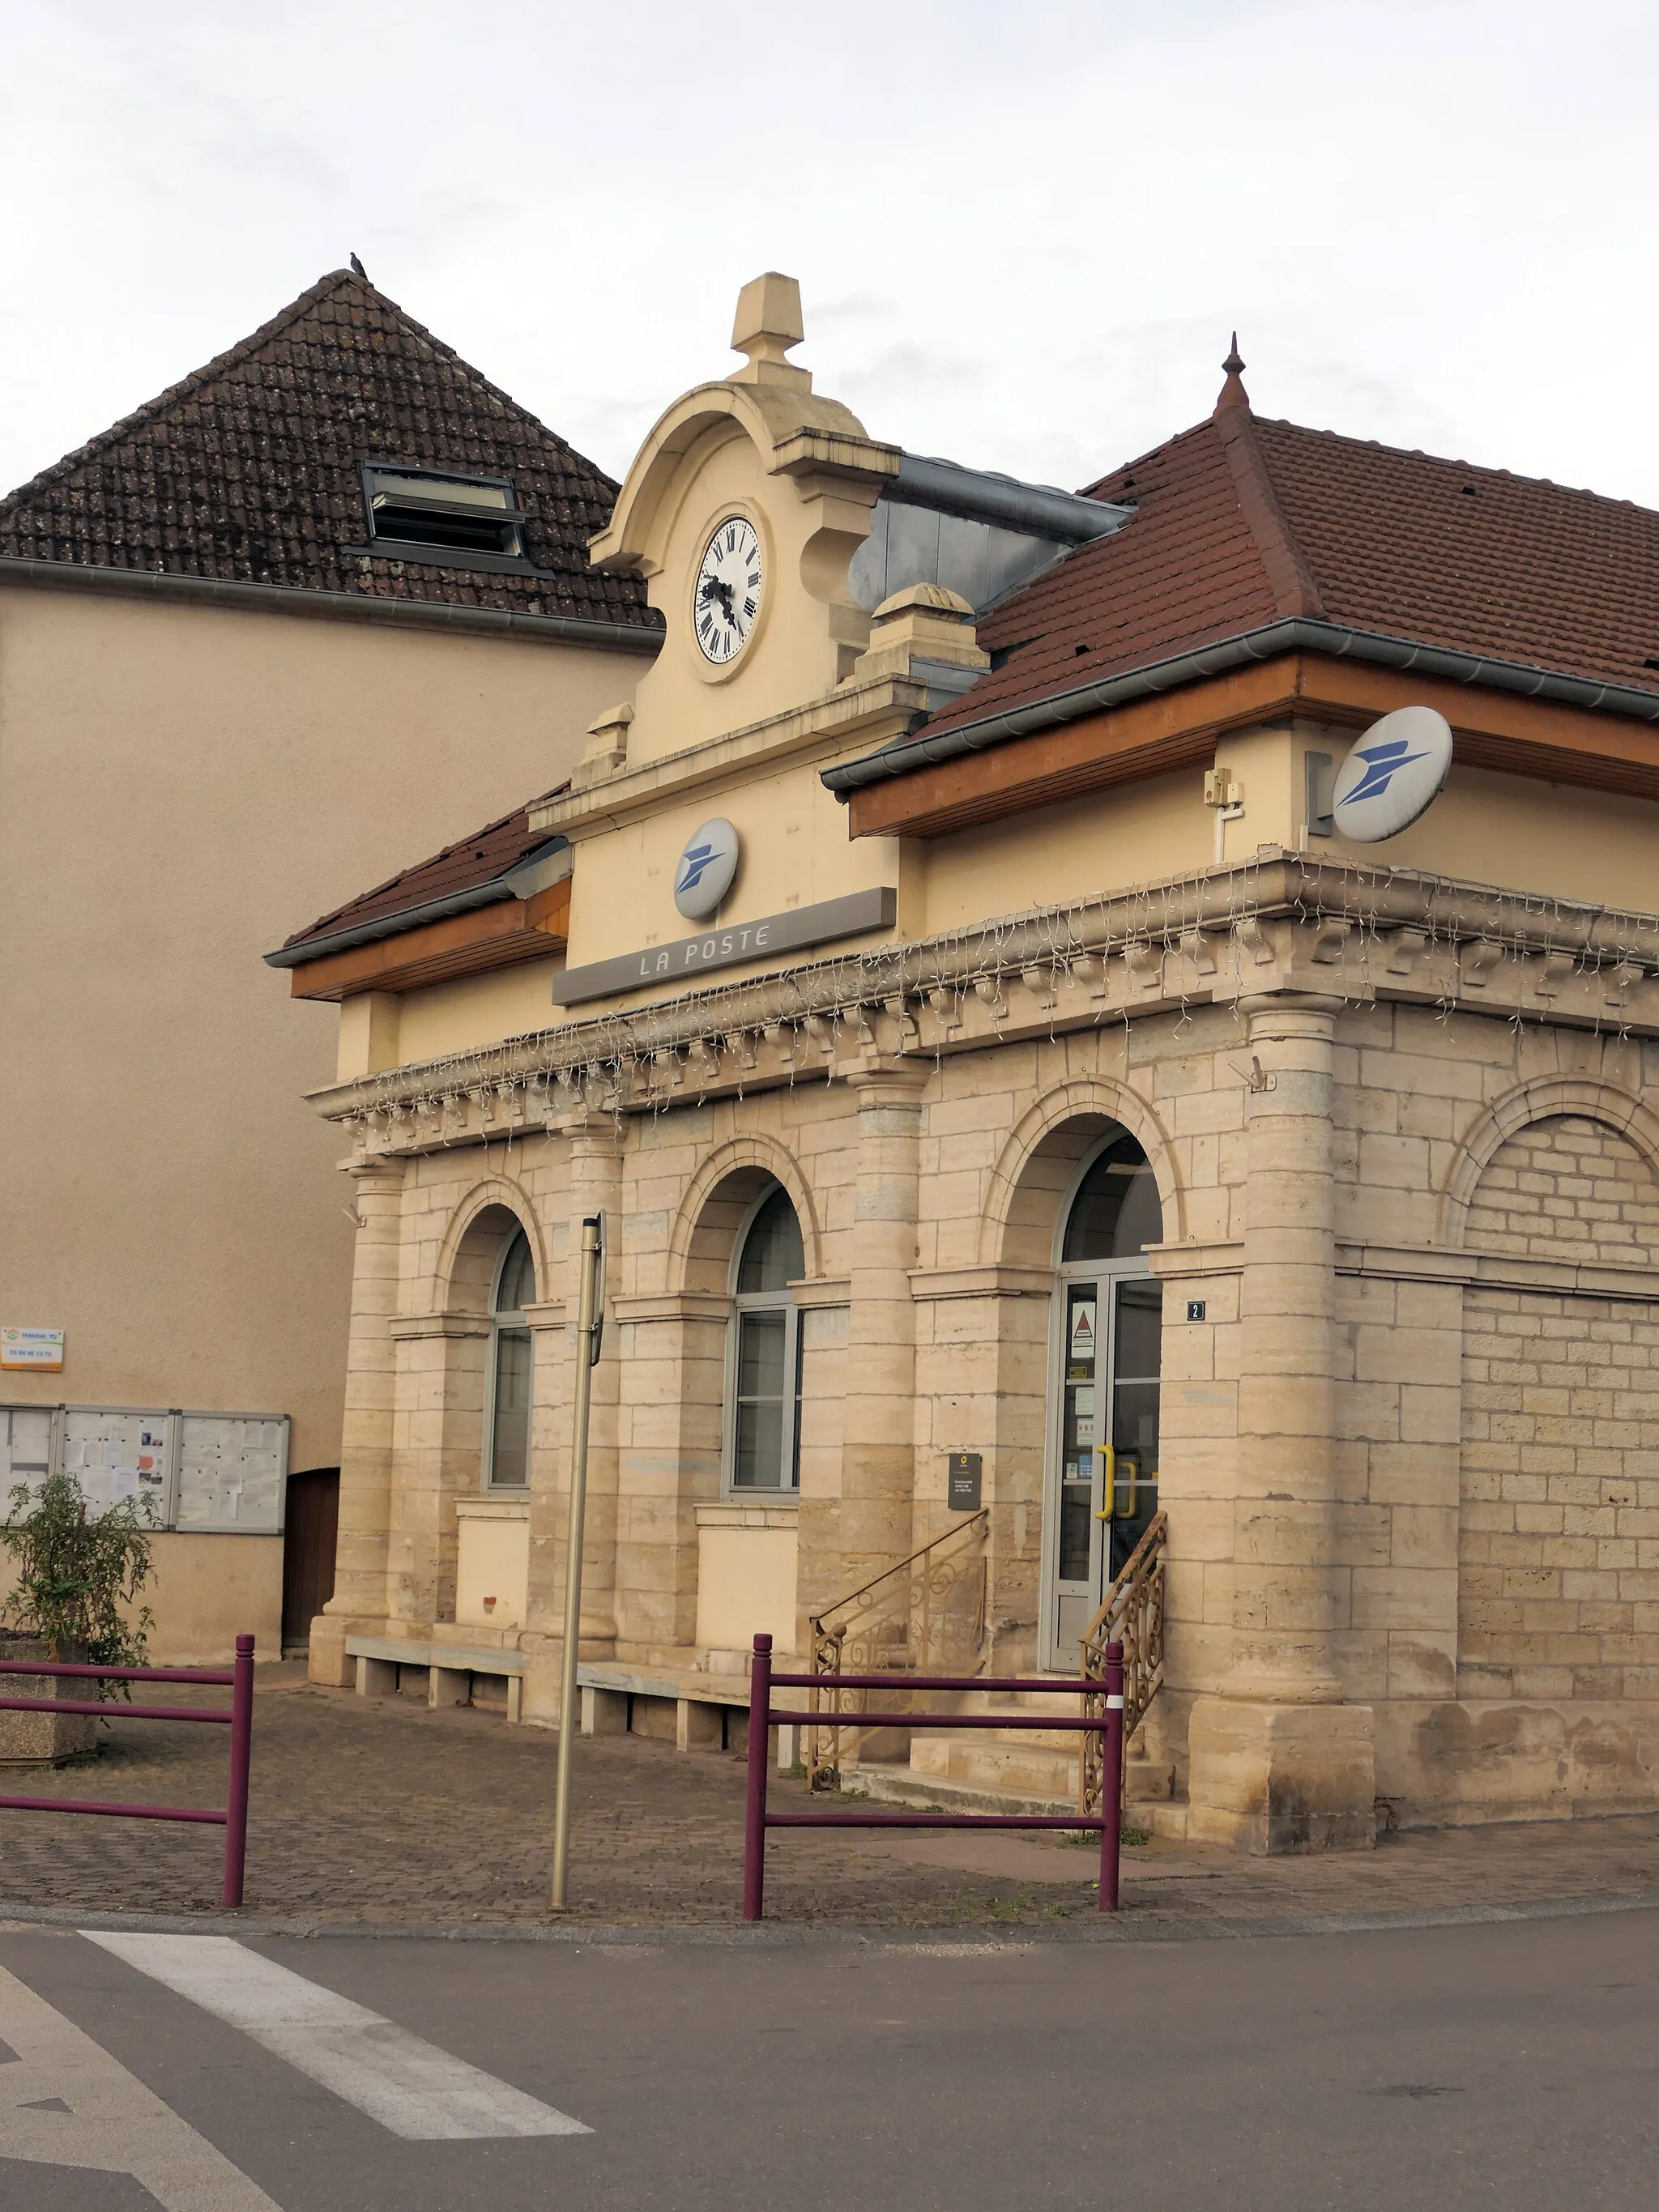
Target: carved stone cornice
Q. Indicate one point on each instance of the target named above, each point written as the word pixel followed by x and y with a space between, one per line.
pixel 1283 923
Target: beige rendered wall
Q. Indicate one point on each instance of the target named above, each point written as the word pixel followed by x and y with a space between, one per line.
pixel 1486 828
pixel 205 1591
pixel 181 788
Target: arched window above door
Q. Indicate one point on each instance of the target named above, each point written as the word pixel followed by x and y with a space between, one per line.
pixel 762 1424
pixel 1116 1212
pixel 506 1441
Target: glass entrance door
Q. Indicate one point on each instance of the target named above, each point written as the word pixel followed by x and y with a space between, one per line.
pixel 1103 1490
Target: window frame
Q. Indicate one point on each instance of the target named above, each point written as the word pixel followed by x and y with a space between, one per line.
pixel 387 548
pixel 508 1321
pixel 747 1302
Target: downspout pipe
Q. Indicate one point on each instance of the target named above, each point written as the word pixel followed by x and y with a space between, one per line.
pixel 1296 634
pixel 1069 518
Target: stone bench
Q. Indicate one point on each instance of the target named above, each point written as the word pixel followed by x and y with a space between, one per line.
pixel 450 1668
pixel 609 1692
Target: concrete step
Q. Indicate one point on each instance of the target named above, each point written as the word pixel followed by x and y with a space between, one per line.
pixel 904 1785
pixel 1148 1782
pixel 1165 1817
pixel 986 1760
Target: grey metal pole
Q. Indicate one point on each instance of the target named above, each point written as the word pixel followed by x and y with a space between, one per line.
pixel 588 1322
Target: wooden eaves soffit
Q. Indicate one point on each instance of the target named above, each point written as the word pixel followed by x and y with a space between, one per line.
pixel 1148 736
pixel 498 936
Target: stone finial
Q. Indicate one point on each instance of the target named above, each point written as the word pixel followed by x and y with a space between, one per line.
pixel 767 323
pixel 1232 393
pixel 921 622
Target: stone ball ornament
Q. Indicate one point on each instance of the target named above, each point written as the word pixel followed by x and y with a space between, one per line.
pixel 703 873
pixel 1392 774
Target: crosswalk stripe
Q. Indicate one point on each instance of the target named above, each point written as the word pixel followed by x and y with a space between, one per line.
pixel 410 2087
pixel 63 2102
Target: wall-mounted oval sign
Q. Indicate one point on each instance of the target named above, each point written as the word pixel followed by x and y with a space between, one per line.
pixel 1392 774
pixel 706 868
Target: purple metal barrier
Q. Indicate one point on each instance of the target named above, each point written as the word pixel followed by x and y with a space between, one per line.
pixel 240 1716
pixel 764 1716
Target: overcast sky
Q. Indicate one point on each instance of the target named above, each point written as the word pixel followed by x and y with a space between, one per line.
pixel 1023 232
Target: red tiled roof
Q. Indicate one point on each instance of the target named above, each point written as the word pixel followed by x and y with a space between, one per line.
pixel 467 864
pixel 248 469
pixel 1241 521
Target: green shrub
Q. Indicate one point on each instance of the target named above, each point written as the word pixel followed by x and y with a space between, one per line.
pixel 75 1569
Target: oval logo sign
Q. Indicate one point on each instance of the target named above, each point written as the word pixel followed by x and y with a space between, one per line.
pixel 706 869
pixel 1392 774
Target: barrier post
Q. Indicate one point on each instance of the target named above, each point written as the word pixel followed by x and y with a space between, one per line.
pixel 242 1759
pixel 1111 1780
pixel 754 1825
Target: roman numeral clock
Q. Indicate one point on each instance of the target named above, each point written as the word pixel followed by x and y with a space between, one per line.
pixel 727 594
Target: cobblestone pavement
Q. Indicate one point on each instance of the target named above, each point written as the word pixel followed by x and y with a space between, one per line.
pixel 375 1810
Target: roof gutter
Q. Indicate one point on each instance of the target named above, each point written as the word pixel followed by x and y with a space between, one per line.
pixel 340 606
pixel 521 880
pixel 1295 634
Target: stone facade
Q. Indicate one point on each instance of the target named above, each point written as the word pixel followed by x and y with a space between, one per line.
pixel 1404 1431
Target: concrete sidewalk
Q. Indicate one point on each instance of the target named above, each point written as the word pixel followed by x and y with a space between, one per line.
pixel 377 1810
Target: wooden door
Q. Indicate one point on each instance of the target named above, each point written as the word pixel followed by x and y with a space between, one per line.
pixel 313 1516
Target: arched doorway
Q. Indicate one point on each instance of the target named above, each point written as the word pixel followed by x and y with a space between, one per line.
pixel 1104 1394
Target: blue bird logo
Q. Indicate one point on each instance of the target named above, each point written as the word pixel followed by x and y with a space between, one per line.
pixel 694 863
pixel 1383 763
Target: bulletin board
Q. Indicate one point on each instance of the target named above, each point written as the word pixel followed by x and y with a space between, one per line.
pixel 232 1472
pixel 119 1452
pixel 25 1447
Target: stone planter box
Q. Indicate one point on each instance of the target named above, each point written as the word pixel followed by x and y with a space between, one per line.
pixel 42 1739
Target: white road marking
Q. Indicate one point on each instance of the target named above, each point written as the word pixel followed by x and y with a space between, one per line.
pixel 65 2102
pixel 412 2087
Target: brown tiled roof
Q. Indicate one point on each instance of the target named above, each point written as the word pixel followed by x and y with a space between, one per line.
pixel 1241 521
pixel 467 865
pixel 247 472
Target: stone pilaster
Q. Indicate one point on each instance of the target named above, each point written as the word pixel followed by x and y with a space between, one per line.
pixel 1278 1763
pixel 595 1186
pixel 366 1444
pixel 442 1363
pixel 878 1460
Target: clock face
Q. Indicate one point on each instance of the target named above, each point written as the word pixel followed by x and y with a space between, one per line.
pixel 728 591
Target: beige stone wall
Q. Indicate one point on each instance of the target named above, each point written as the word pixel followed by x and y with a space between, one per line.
pixel 1568 1188
pixel 1559 1550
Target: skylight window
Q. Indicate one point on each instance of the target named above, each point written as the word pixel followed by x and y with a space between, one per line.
pixel 426 515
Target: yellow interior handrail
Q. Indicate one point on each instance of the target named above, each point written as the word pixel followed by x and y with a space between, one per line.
pixel 1109 1493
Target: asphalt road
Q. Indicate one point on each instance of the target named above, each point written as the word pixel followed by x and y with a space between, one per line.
pixel 1510 2065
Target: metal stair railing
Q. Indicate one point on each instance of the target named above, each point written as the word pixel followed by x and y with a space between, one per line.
pixel 925 1615
pixel 1132 1615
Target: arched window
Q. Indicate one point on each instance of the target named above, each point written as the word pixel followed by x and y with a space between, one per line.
pixel 1117 1211
pixel 763 1393
pixel 507 1437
